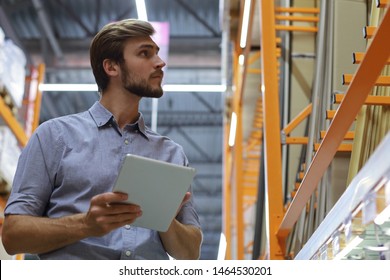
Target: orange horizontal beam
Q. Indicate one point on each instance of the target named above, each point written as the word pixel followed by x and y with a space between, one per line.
pixel 381 3
pixel 330 114
pixel 293 193
pixel 345 147
pixel 251 173
pixel 296 28
pixel 370 100
pixel 297 10
pixel 254 70
pixel 368 31
pixel 296 140
pixel 296 18
pixel 252 157
pixel 250 191
pixel 358 57
pixel 367 73
pixel 381 81
pixel 350 135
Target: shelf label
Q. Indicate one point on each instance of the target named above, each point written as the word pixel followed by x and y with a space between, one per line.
pixel 369 208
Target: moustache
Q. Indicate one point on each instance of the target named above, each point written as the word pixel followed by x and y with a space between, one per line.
pixel 158 73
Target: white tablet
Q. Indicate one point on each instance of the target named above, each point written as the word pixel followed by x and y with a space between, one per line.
pixel 156 186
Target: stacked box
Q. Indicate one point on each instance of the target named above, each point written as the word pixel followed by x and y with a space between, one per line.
pixel 12 71
pixel 2 60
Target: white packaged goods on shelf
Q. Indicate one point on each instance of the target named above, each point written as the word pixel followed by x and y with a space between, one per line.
pixel 9 155
pixel 2 36
pixel 12 71
pixel 2 68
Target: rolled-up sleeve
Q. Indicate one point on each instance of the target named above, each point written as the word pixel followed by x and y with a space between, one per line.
pixel 33 181
pixel 187 215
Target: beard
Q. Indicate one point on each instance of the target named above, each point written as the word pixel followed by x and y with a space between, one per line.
pixel 139 86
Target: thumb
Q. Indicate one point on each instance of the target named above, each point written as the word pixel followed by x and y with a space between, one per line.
pixel 186 198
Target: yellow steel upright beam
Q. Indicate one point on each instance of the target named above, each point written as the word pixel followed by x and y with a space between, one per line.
pixel 13 123
pixel 229 185
pixel 239 186
pixel 227 188
pixel 272 142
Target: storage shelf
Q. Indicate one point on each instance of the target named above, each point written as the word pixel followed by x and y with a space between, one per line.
pixel 371 179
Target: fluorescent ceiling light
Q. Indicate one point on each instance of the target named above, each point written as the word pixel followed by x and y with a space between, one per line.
pixel 167 88
pixel 68 87
pixel 194 88
pixel 233 128
pixel 245 23
pixel 222 247
pixel 141 10
pixel 241 59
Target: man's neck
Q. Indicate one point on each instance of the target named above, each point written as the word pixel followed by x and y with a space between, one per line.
pixel 123 106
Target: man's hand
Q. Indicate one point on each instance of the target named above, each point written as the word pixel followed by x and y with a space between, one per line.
pixel 109 211
pixel 176 239
pixel 186 198
pixel 37 235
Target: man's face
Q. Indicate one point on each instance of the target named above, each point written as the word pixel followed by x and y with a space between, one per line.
pixel 141 72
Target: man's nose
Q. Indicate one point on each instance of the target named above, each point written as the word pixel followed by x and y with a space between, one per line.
pixel 160 63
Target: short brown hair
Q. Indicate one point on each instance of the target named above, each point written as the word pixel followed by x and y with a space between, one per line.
pixel 109 43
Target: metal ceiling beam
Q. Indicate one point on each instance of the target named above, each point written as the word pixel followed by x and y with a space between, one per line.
pixel 195 145
pixel 210 107
pixel 76 18
pixel 46 26
pixel 198 18
pixel 125 13
pixel 181 44
pixel 7 27
pixel 98 9
pixel 16 6
pixel 10 31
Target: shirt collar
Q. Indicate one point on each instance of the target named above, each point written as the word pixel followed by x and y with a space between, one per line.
pixel 141 125
pixel 102 116
pixel 99 114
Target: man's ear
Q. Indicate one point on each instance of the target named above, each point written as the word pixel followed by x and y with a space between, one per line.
pixel 110 67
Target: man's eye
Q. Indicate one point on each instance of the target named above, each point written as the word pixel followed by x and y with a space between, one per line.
pixel 144 53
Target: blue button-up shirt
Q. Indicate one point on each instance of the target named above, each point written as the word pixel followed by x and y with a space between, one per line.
pixel 70 159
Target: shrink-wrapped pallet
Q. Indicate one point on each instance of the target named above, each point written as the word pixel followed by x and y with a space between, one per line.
pixel 12 72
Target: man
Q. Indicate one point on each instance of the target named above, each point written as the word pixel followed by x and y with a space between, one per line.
pixel 62 205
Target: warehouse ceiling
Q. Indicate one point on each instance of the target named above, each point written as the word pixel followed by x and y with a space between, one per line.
pixel 58 32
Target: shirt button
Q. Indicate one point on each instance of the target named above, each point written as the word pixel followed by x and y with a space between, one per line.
pixel 126 142
pixel 128 253
pixel 127 226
